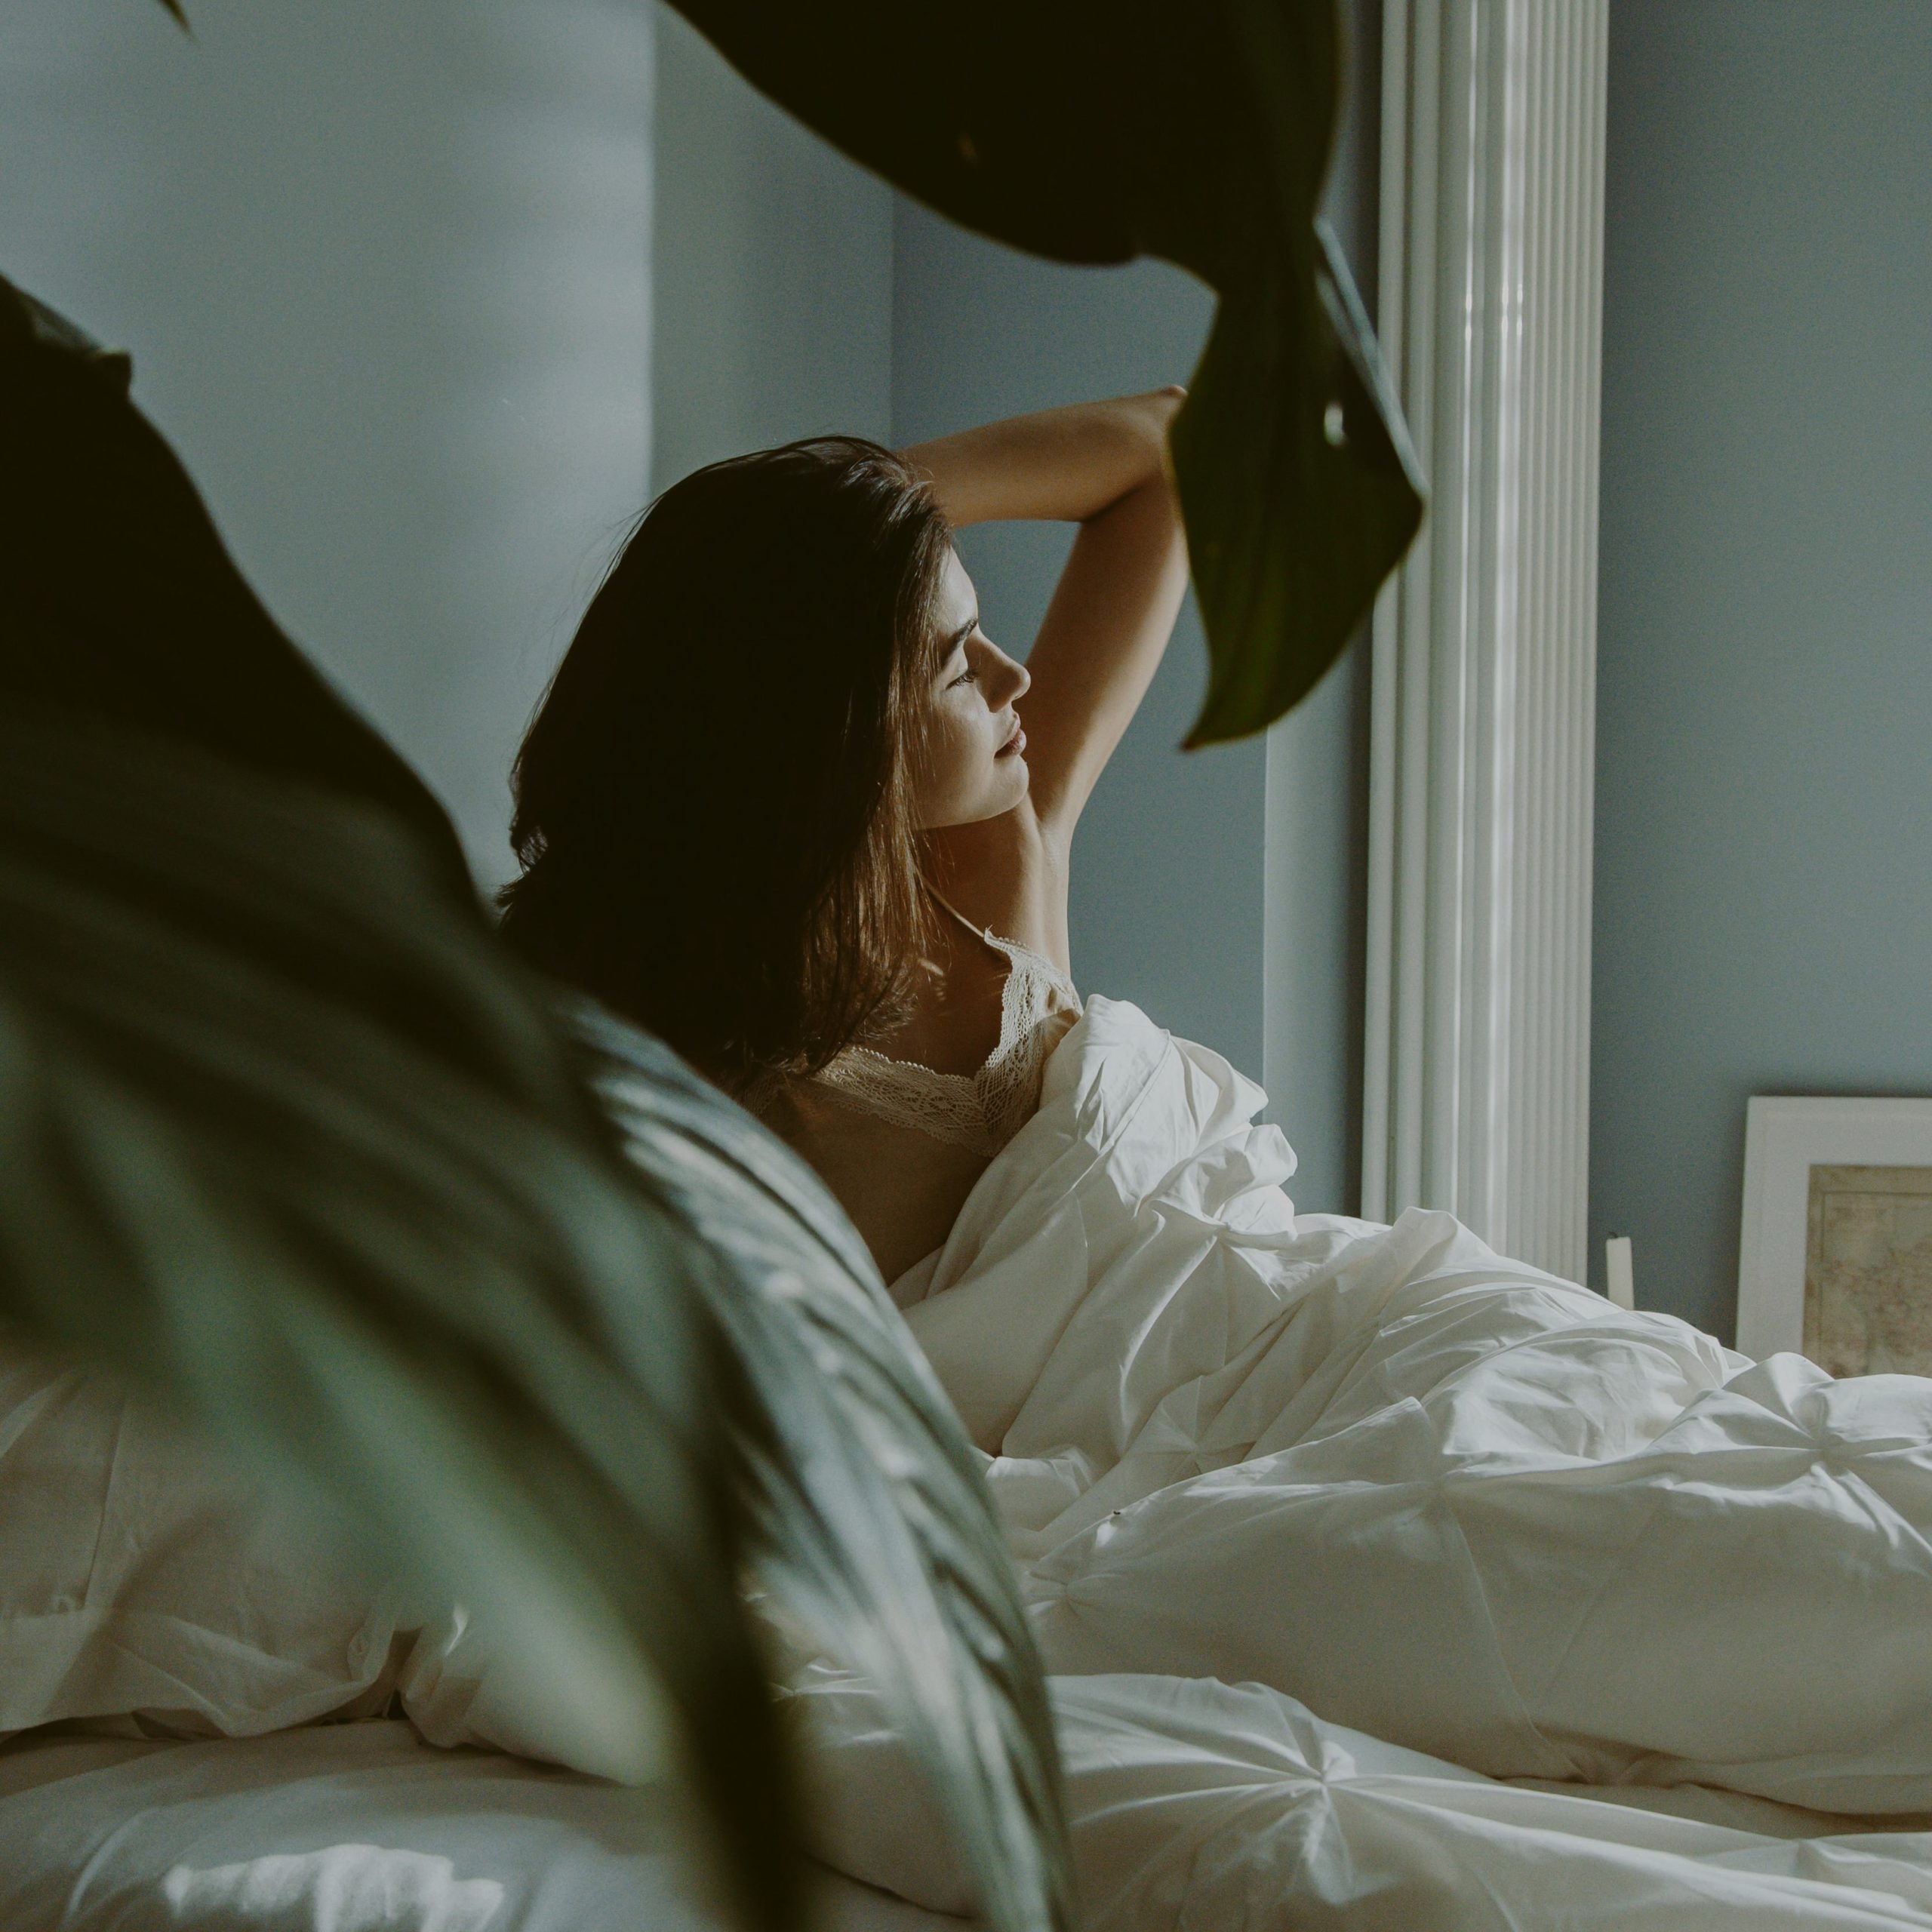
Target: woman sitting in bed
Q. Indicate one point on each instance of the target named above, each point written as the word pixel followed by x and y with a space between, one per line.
pixel 779 806
pixel 789 805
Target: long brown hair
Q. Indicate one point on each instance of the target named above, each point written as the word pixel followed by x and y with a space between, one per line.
pixel 714 801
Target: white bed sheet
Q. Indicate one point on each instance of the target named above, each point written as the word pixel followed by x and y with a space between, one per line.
pixel 1197 1806
pixel 349 1828
pixel 1387 1583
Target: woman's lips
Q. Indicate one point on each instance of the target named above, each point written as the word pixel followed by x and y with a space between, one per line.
pixel 1015 745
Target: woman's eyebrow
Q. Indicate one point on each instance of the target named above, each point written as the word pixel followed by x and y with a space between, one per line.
pixel 965 631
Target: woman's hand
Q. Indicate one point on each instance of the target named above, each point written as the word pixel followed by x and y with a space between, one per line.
pixel 1066 465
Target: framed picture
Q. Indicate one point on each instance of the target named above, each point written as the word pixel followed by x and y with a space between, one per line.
pixel 1836 1259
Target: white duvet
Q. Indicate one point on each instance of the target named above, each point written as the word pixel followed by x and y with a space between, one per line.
pixel 1396 1483
pixel 1386 1584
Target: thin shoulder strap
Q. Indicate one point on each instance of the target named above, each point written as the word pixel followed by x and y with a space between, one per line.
pixel 1014 950
pixel 978 932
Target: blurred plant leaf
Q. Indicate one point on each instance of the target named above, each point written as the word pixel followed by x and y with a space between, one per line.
pixel 121 603
pixel 1197 130
pixel 284 1131
pixel 1348 487
pixel 289 1135
pixel 283 1136
pixel 874 1521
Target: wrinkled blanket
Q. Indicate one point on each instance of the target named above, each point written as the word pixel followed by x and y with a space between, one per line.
pixel 1427 1493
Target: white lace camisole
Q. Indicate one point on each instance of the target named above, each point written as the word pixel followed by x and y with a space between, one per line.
pixel 901 1144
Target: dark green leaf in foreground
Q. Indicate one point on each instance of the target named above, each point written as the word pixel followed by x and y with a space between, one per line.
pixel 874 1522
pixel 284 1136
pixel 283 1131
pixel 1197 130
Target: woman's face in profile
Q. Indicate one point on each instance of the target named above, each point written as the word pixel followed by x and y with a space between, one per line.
pixel 974 765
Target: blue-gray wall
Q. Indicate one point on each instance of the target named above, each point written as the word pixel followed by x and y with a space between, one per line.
pixel 1315 855
pixel 1764 881
pixel 772 272
pixel 334 239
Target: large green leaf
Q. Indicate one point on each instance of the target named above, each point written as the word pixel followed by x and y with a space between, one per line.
pixel 284 1130
pixel 282 1135
pixel 287 1142
pixel 875 1522
pixel 1198 130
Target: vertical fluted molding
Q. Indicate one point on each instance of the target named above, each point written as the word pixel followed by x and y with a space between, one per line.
pixel 1476 1061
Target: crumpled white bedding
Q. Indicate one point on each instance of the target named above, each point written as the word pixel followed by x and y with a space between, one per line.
pixel 1433 1494
pixel 1386 1582
pixel 1199 1804
pixel 355 1827
pixel 1204 1805
pixel 1196 1805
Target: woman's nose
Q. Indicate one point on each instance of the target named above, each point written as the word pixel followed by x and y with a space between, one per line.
pixel 1022 680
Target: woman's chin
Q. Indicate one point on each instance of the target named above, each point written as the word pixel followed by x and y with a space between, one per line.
pixel 1005 792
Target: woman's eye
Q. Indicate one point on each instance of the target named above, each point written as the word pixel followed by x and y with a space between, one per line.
pixel 968 676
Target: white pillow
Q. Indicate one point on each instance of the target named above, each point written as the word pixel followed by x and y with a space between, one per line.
pixel 142 1580
pixel 147 1586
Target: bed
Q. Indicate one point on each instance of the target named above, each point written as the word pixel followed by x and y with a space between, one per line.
pixel 1196 1805
pixel 348 1828
pixel 1382 1582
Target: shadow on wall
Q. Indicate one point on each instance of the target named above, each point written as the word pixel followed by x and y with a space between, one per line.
pixel 772 273
pixel 334 239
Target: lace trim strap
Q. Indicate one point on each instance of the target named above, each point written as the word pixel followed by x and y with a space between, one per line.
pixel 948 1106
pixel 983 1111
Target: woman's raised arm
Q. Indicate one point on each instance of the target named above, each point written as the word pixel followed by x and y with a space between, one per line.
pixel 1102 466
